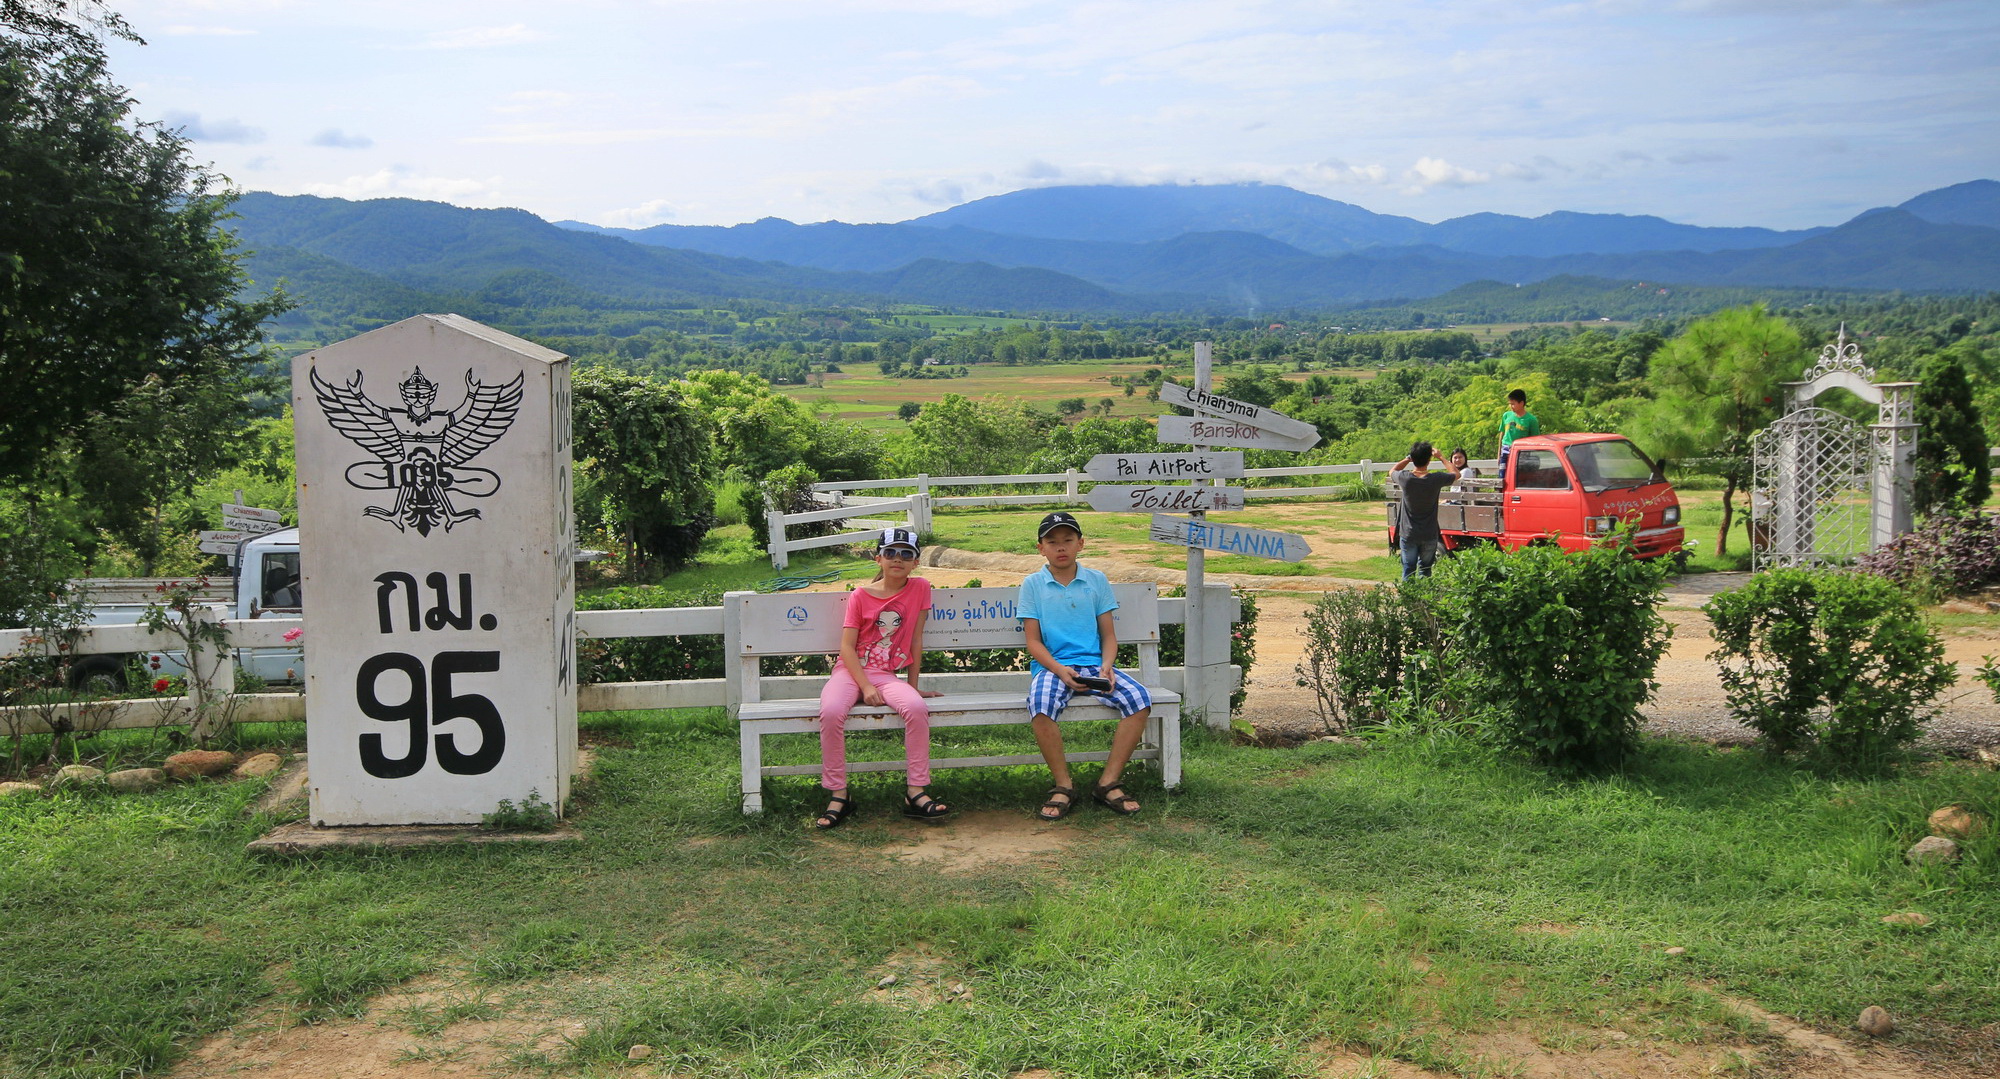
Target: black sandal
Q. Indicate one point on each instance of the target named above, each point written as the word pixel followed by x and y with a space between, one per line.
pixel 923 807
pixel 831 816
pixel 1062 808
pixel 1101 794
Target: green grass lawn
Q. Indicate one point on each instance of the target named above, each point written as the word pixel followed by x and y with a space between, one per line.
pixel 1402 899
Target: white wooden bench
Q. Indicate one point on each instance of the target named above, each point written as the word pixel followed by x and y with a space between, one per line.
pixel 756 626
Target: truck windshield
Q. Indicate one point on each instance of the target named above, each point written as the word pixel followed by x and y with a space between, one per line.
pixel 1601 466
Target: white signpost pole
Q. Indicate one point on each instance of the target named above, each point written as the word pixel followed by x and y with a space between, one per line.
pixel 1194 654
pixel 437 548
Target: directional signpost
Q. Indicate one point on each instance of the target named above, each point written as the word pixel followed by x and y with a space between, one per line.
pixel 1154 467
pixel 1229 539
pixel 1223 421
pixel 222 541
pixel 238 523
pixel 1203 431
pixel 251 519
pixel 1229 408
pixel 1162 498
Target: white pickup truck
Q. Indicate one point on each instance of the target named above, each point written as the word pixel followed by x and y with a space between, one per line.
pixel 266 584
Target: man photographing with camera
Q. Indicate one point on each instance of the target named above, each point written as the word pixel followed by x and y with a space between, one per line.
pixel 1417 536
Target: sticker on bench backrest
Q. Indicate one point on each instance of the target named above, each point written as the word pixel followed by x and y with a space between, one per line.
pixel 808 623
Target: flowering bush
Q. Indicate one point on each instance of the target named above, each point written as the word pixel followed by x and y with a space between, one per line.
pixel 292 635
pixel 1945 557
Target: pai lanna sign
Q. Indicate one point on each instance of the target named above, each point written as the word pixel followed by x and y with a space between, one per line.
pixel 437 559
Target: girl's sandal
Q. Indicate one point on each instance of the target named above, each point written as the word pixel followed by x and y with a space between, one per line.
pixel 1061 808
pixel 923 807
pixel 832 815
pixel 1114 798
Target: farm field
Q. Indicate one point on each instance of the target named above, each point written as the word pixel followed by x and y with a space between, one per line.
pixel 865 396
pixel 1489 332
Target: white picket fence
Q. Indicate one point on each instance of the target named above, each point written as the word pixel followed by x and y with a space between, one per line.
pixel 847 503
pixel 1203 688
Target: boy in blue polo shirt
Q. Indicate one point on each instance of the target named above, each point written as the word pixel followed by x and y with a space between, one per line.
pixel 1066 610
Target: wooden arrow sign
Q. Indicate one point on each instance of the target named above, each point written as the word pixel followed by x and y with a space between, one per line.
pixel 1158 498
pixel 1230 408
pixel 1228 539
pixel 1155 467
pixel 1204 431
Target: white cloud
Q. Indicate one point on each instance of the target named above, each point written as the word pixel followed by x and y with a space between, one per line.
pixel 340 140
pixel 648 213
pixel 1431 172
pixel 482 37
pixel 193 128
pixel 404 182
pixel 207 31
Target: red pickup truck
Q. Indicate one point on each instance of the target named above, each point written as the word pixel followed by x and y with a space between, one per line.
pixel 1571 490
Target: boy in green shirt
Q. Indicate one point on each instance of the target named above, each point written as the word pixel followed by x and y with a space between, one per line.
pixel 1516 422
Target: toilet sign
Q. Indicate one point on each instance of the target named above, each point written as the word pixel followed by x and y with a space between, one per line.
pixel 436 551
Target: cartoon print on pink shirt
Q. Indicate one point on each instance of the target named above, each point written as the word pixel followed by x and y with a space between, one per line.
pixel 882 654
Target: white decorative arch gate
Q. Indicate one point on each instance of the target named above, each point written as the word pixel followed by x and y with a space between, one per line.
pixel 1825 489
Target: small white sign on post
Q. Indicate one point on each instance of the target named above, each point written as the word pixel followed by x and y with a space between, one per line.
pixel 251 519
pixel 1204 431
pixel 436 546
pixel 1229 539
pixel 218 541
pixel 1154 467
pixel 1230 408
pixel 1161 498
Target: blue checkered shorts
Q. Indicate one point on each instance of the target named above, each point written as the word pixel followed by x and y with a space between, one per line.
pixel 1048 695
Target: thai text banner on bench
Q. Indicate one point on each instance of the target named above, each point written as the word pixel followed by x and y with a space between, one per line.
pixel 960 618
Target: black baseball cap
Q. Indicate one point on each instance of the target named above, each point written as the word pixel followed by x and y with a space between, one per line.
pixel 1053 521
pixel 897 537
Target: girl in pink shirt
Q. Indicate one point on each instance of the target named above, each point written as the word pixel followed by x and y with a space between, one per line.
pixel 881 635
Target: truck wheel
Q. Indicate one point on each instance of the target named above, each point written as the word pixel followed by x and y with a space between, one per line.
pixel 98 675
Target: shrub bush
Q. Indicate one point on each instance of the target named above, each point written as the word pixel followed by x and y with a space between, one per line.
pixel 1839 665
pixel 790 489
pixel 1561 646
pixel 1377 654
pixel 1945 557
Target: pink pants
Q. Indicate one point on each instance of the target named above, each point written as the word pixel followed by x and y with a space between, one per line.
pixel 839 697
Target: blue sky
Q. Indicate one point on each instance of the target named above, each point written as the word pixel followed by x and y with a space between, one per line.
pixel 1784 113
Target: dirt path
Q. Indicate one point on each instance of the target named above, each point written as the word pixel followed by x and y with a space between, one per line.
pixel 1689 702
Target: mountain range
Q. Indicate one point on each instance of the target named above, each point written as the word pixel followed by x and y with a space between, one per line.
pixel 1221 248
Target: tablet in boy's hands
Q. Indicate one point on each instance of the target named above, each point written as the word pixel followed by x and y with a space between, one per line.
pixel 1095 685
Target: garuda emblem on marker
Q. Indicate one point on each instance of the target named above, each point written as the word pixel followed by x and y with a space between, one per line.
pixel 421 453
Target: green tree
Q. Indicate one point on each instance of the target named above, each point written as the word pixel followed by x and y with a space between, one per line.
pixel 114 269
pixel 146 452
pixel 648 456
pixel 1953 472
pixel 1716 385
pixel 961 437
pixel 908 410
